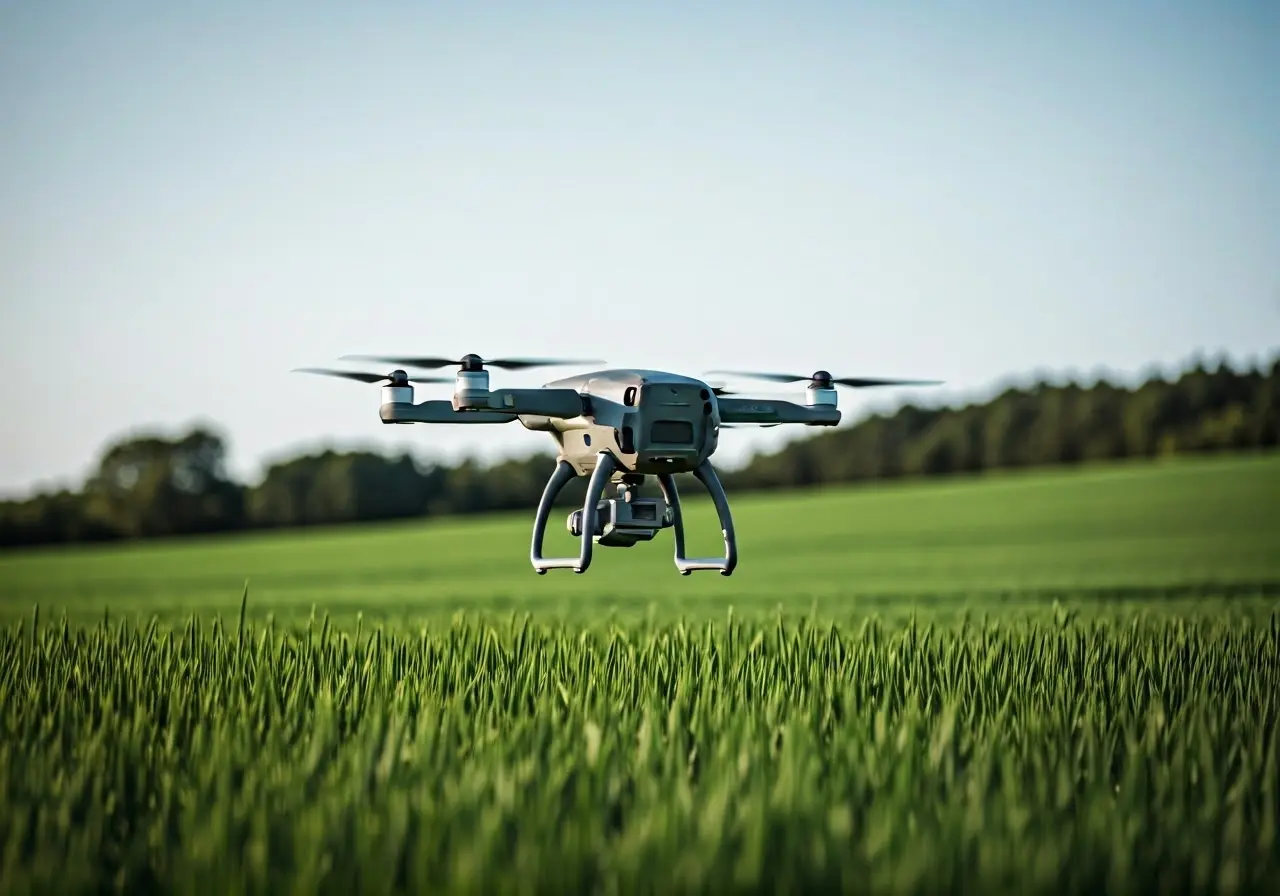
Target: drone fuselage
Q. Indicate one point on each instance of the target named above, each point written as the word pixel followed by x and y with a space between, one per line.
pixel 652 422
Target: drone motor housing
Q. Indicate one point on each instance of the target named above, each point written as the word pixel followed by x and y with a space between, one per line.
pixel 816 395
pixel 392 394
pixel 471 390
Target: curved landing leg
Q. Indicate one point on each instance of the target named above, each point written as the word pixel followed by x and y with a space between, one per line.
pixel 705 474
pixel 606 466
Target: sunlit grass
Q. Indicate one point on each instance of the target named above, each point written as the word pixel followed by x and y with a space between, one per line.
pixel 1032 683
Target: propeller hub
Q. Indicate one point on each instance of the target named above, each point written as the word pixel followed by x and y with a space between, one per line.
pixel 399 378
pixel 472 363
pixel 821 380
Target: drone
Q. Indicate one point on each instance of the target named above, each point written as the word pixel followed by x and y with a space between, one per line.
pixel 615 427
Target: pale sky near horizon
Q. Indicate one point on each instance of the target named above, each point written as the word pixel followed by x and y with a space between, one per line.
pixel 192 203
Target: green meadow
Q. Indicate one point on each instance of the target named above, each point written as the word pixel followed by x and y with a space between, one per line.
pixel 1061 681
pixel 1162 532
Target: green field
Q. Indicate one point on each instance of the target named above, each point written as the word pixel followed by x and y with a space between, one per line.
pixel 1063 681
pixel 1181 528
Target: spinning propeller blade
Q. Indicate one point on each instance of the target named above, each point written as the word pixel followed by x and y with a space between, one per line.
pixel 822 378
pixel 393 376
pixel 473 362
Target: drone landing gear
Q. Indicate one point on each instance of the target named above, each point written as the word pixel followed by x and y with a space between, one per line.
pixel 706 474
pixel 606 466
pixel 588 525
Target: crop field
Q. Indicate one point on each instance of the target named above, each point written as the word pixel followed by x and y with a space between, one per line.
pixel 1064 681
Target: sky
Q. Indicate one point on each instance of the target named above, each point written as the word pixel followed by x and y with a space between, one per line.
pixel 196 200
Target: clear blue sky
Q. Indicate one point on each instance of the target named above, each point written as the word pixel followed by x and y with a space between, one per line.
pixel 194 202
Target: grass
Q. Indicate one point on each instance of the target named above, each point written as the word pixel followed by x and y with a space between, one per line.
pixel 1049 681
pixel 1131 531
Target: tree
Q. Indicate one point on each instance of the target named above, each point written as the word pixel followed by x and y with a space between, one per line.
pixel 148 485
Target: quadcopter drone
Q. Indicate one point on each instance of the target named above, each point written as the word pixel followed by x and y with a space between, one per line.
pixel 615 427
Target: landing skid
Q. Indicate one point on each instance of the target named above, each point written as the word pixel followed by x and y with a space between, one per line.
pixel 606 467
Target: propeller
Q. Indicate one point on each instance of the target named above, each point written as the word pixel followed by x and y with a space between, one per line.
pixel 824 380
pixel 395 377
pixel 473 362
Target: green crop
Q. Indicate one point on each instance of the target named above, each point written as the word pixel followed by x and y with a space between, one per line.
pixel 509 757
pixel 1041 683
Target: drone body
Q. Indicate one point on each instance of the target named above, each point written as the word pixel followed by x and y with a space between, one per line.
pixel 615 427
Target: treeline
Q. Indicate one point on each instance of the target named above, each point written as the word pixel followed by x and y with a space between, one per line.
pixel 150 486
pixel 1205 409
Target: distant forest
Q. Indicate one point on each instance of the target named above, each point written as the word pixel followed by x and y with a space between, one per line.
pixel 153 486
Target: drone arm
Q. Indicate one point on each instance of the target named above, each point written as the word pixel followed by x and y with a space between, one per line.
pixel 500 406
pixel 436 411
pixel 564 404
pixel 751 410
